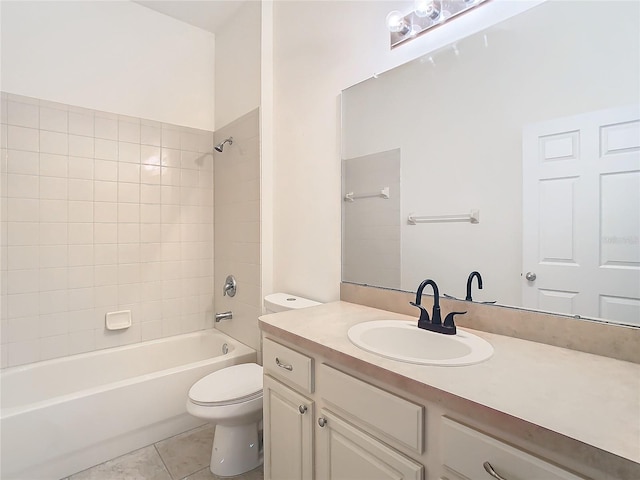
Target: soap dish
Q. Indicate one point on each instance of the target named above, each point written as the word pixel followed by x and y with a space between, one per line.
pixel 118 320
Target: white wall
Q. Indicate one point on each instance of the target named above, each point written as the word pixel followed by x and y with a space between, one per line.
pixel 238 64
pixel 117 57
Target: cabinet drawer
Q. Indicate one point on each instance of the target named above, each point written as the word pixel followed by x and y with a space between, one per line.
pixel 288 365
pixel 384 414
pixel 466 450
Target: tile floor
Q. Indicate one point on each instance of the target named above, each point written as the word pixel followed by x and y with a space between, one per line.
pixel 183 457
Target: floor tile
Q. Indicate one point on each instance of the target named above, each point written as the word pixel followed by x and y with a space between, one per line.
pixel 205 474
pixel 141 464
pixel 188 452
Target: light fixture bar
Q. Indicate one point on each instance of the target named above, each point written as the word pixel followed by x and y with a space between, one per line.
pixel 426 15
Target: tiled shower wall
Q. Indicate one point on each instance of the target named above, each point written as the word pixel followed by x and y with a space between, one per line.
pixel 237 227
pixel 100 213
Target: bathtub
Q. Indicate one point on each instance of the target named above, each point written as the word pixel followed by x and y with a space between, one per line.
pixel 60 416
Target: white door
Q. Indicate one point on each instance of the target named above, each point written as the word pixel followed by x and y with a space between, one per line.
pixel 581 215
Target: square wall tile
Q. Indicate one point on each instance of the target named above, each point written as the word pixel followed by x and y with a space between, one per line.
pixel 22 329
pixel 106 170
pixel 50 256
pixel 128 152
pixel 53 279
pixel 22 115
pixel 54 165
pixel 23 186
pixel 22 162
pixel 54 120
pixel 80 255
pixel 23 210
pixel 80 146
pixel 81 124
pixel 150 135
pixel 80 167
pixel 53 188
pixel 22 234
pixel 129 132
pixel 22 281
pixel 105 212
pixel 106 128
pixel 20 353
pixel 106 149
pixel 54 142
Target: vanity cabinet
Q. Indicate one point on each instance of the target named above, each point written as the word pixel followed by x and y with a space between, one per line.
pixel 345 423
pixel 324 424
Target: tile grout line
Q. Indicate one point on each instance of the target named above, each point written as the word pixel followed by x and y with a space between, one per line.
pixel 155 446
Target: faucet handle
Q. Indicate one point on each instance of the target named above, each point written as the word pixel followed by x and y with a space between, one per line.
pixel 230 286
pixel 424 314
pixel 448 321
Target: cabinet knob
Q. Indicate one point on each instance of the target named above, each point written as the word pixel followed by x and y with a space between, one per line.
pixel 322 421
pixel 302 409
pixel 489 469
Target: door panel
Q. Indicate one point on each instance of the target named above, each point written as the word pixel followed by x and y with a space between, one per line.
pixel 581 206
pixel 288 433
pixel 347 453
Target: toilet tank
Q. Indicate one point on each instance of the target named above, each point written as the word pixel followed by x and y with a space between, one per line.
pixel 280 302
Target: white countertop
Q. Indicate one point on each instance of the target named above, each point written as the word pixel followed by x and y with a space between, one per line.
pixel 589 398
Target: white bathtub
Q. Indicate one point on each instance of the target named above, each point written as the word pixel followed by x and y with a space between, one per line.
pixel 61 416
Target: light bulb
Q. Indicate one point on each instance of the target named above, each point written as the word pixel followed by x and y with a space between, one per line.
pixel 423 8
pixel 396 23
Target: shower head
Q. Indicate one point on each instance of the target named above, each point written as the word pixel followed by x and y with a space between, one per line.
pixel 220 146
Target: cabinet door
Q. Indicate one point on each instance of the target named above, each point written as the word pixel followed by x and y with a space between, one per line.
pixel 346 453
pixel 288 433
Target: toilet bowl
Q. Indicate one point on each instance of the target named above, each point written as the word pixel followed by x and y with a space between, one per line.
pixel 231 398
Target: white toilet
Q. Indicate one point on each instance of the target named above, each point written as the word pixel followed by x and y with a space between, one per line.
pixel 231 398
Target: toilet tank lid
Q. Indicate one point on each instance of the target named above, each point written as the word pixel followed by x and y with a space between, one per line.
pixel 280 302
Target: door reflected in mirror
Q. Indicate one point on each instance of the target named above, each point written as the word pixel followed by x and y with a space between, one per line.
pixel 533 124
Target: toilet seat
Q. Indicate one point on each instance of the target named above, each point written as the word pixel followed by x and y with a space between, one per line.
pixel 229 386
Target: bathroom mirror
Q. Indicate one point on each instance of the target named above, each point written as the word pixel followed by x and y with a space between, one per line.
pixel 469 137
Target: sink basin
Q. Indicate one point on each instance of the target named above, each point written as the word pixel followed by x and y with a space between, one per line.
pixel 404 341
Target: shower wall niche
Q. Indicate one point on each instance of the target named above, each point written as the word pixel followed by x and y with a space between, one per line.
pixel 100 212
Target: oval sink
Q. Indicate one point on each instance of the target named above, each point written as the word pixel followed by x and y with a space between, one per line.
pixel 404 341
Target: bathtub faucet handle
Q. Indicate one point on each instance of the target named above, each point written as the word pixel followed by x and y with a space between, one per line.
pixel 230 286
pixel 223 316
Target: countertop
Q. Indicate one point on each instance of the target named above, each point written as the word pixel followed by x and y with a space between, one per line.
pixel 589 398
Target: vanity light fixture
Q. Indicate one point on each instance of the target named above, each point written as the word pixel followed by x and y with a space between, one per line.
pixel 426 14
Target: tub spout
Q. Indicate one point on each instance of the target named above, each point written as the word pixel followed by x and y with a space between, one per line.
pixel 223 316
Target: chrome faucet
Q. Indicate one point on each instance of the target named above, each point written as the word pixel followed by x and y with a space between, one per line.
pixel 469 280
pixel 435 323
pixel 223 316
pixel 230 286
